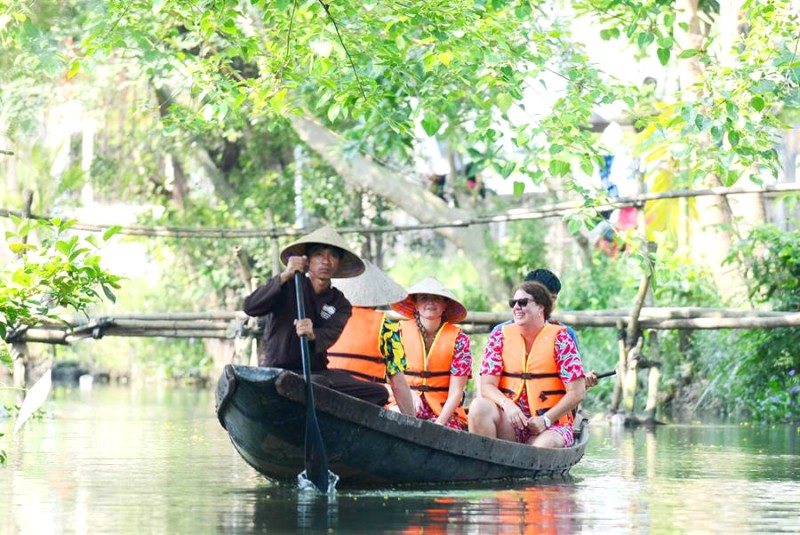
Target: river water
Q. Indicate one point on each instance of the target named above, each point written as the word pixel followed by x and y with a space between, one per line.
pixel 155 460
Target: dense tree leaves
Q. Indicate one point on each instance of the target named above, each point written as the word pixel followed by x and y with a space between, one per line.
pixel 504 82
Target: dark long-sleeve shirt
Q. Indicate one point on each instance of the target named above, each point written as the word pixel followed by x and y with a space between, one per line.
pixel 328 311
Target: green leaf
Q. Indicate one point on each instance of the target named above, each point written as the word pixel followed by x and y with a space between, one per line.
pixel 109 294
pixel 20 278
pixel 431 124
pixel 757 103
pixel 665 41
pixel 504 102
pixel 644 39
pixel 688 53
pixel 522 139
pixel 505 169
pixel 663 55
pixel 74 67
pixel 519 188
pixel 587 166
pixel 111 232
pixel 733 137
pixel 559 167
pixel 333 112
pixel 63 247
pixel 18 248
pixel 429 62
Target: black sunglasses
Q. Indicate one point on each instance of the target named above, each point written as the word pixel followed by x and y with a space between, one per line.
pixel 523 302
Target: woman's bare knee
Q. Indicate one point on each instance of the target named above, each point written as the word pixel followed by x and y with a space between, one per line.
pixel 548 439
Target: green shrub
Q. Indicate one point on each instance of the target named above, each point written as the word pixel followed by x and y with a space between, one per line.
pixel 758 376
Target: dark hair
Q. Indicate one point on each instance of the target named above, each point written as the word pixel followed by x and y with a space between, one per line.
pixel 541 296
pixel 546 278
pixel 312 248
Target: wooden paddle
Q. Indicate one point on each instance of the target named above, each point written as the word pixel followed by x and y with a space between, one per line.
pixel 316 461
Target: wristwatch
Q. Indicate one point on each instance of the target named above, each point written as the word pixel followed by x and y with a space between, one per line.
pixel 546 421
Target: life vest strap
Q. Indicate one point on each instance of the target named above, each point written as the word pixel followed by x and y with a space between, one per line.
pixel 427 374
pixel 367 377
pixel 544 394
pixel 379 360
pixel 528 376
pixel 427 388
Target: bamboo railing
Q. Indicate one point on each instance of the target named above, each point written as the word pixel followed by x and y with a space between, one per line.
pixel 234 324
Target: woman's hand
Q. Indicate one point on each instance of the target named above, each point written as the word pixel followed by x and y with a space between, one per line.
pixel 536 425
pixel 591 379
pixel 514 414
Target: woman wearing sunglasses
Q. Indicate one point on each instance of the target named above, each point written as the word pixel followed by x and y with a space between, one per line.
pixel 532 377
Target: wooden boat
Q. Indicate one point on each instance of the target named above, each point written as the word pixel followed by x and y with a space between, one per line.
pixel 263 411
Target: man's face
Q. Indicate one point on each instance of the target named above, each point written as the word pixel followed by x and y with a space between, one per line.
pixel 323 263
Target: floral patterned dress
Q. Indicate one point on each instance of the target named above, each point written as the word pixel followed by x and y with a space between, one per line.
pixel 460 367
pixel 570 367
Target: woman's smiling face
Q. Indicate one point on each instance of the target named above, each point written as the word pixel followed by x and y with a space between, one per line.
pixel 430 306
pixel 530 314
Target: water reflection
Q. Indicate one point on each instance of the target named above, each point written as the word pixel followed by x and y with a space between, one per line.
pixel 544 508
pixel 115 460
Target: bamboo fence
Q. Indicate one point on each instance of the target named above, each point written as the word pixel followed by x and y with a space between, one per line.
pixel 236 324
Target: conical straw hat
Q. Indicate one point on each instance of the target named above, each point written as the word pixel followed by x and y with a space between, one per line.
pixel 455 311
pixel 373 288
pixel 349 266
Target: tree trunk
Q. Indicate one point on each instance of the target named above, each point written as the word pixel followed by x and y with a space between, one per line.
pixel 413 198
pixel 180 186
pixel 712 241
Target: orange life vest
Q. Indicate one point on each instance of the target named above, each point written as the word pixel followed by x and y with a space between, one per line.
pixel 429 374
pixel 358 348
pixel 536 372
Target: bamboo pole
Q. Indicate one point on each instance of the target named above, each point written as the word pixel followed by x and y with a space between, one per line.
pixel 651 312
pixel 653 379
pixel 631 379
pixel 225 324
pixel 169 324
pixel 176 316
pixel 547 211
pixel 616 396
pixel 634 339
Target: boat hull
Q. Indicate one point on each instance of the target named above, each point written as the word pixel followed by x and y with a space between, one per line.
pixel 263 410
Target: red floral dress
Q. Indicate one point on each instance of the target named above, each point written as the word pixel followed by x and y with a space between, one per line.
pixel 570 369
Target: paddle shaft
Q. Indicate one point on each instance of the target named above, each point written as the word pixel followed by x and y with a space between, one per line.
pixel 316 462
pixel 609 373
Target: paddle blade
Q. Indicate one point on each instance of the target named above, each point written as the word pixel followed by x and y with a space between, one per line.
pixel 316 460
pixel 34 398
